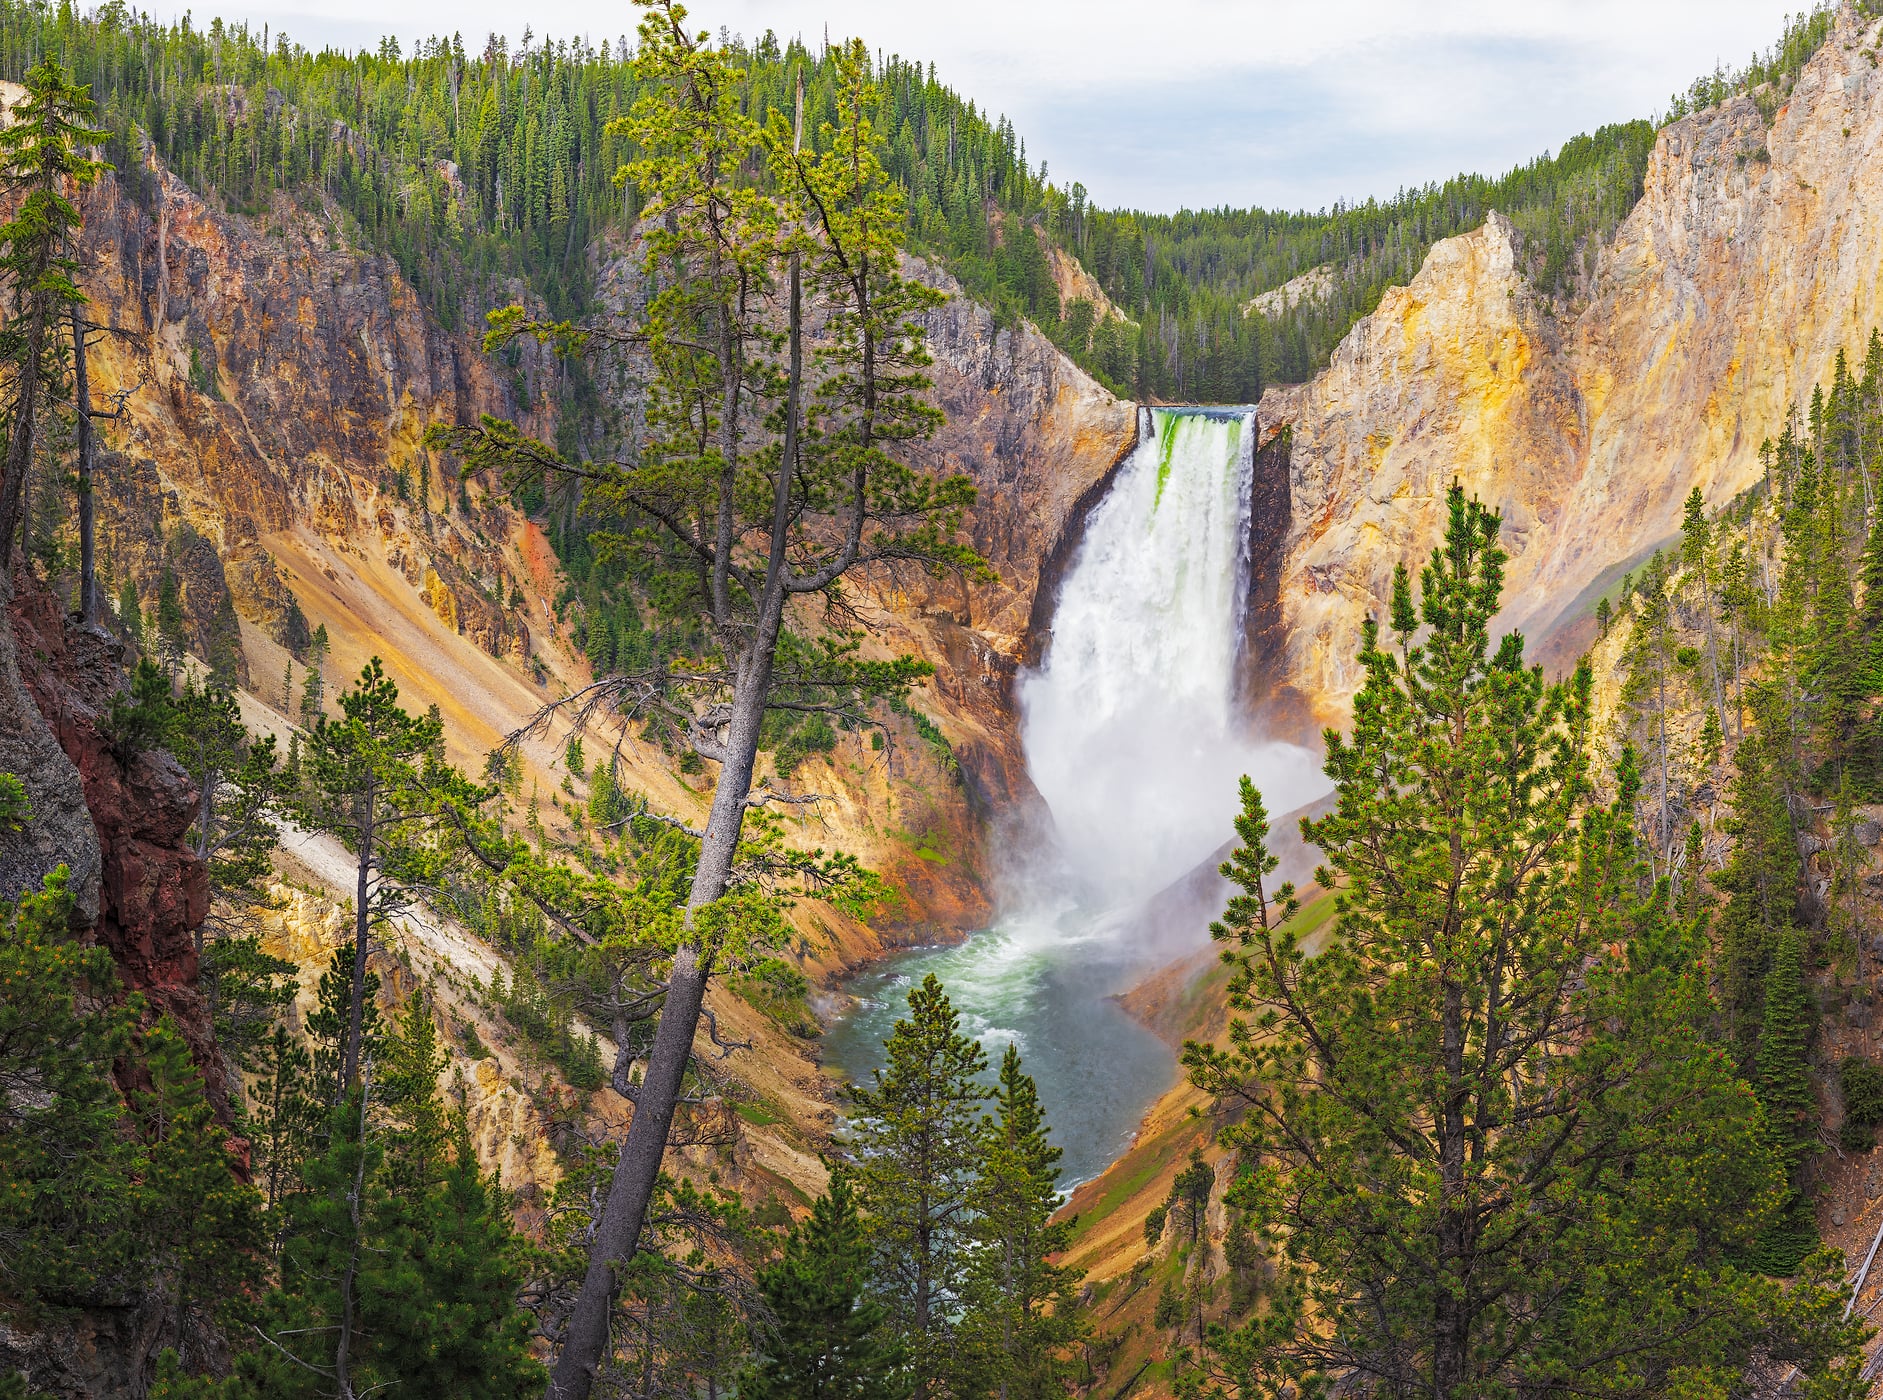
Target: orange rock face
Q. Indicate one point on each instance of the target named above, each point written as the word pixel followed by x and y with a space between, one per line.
pixel 1754 256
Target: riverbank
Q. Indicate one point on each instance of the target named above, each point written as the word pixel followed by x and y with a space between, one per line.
pixel 1186 1000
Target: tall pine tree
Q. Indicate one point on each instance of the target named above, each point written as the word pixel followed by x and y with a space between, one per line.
pixel 1019 1314
pixel 828 1339
pixel 917 1136
pixel 1482 1129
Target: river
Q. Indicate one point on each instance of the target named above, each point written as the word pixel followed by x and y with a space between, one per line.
pixel 1043 984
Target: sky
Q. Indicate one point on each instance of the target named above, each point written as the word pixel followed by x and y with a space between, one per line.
pixel 1201 103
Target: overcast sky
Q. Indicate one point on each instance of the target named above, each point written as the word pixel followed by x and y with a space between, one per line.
pixel 1285 103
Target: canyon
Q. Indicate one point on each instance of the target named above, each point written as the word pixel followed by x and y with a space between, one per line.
pixel 1750 263
pixel 275 382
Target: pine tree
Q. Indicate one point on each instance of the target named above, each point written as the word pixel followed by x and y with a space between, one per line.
pixel 1867 660
pixel 917 1139
pixel 1738 600
pixel 398 1264
pixel 1019 1307
pixel 1188 1206
pixel 1696 557
pixel 314 684
pixel 1791 1108
pixel 100 1199
pixel 1649 694
pixel 239 784
pixel 1493 1085
pixel 411 1122
pixel 374 778
pixel 438 1298
pixel 204 1229
pixel 66 1219
pixel 172 623
pixel 828 1339
pixel 1760 882
pixel 327 1024
pixel 1784 1083
pixel 285 1115
pixel 41 158
pixel 1839 686
pixel 731 388
pixel 311 1320
pixel 131 611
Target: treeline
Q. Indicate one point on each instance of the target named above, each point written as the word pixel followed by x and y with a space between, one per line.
pixel 1189 277
pixel 1779 66
pixel 471 165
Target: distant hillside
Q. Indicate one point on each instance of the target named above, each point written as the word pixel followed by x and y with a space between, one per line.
pixel 475 168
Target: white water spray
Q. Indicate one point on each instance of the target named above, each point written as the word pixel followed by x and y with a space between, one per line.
pixel 1130 728
pixel 1133 738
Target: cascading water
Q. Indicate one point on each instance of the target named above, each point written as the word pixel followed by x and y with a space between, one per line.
pixel 1132 738
pixel 1129 727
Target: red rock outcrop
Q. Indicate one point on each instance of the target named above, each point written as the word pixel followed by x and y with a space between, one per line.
pixel 152 891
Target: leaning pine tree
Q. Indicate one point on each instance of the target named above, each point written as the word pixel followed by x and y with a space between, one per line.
pixel 756 482
pixel 1491 1145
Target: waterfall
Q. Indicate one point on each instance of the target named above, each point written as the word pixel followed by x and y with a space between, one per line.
pixel 1130 726
pixel 1132 736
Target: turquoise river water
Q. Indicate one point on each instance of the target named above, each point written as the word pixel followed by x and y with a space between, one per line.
pixel 1045 985
pixel 1134 739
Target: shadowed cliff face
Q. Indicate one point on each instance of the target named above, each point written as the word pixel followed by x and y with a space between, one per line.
pixel 278 385
pixel 1037 436
pixel 1752 259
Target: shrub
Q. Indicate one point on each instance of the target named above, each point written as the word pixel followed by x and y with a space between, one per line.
pixel 1861 1084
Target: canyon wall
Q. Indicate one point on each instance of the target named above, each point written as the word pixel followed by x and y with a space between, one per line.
pixel 1753 257
pixel 276 383
pixel 1038 437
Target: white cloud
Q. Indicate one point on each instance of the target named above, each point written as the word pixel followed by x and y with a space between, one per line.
pixel 1206 102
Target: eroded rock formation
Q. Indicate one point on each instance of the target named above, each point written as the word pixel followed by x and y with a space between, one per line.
pixel 148 892
pixel 1754 256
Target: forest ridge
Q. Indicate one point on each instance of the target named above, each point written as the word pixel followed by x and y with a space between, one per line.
pixel 470 165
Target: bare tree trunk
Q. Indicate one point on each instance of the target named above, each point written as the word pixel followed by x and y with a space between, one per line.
pixel 87 538
pixel 924 1281
pixel 343 1347
pixel 1712 645
pixel 356 997
pixel 21 440
pixel 618 1232
pixel 1450 1325
pixel 1667 818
